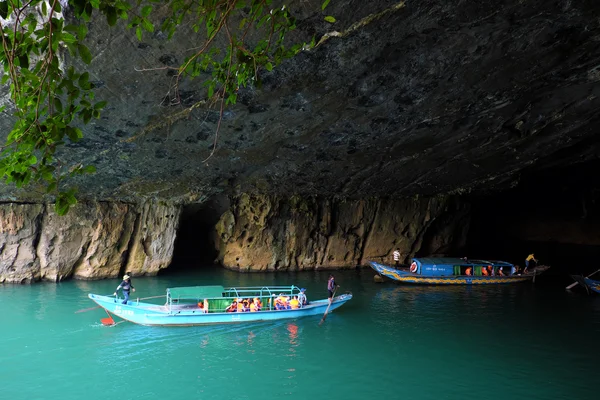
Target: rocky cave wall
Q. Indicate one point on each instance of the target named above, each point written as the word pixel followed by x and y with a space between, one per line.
pixel 261 232
pixel 94 240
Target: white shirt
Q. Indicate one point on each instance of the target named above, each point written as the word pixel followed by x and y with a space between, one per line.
pixel 396 255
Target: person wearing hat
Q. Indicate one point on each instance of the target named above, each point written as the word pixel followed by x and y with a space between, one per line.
pixel 302 297
pixel 126 285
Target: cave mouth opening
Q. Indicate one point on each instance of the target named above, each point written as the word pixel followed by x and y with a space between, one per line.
pixel 194 245
pixel 553 213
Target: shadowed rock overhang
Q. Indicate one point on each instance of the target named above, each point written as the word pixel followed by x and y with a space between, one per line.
pixel 424 98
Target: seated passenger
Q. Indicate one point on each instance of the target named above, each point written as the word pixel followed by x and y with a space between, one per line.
pixel 468 271
pixel 253 307
pixel 484 271
pixel 302 297
pixel 490 270
pixel 294 303
pixel 203 306
pixel 257 303
pixel 232 307
pixel 280 302
pixel 513 270
pixel 500 273
pixel 242 305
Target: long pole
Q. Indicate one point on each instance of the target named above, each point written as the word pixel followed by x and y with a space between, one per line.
pixel 571 286
pixel 86 309
pixel 327 310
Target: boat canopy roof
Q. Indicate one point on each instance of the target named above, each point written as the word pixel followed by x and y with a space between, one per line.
pixel 195 292
pixel 459 261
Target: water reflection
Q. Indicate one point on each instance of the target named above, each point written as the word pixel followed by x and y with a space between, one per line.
pixel 293 331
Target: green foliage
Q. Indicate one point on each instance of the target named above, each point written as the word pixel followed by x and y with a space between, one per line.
pixel 52 102
pixel 255 31
pixel 49 101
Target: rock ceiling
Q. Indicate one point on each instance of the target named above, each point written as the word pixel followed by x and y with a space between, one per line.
pixel 432 97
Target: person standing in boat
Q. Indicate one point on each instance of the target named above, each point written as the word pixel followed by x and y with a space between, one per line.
pixel 126 286
pixel 396 255
pixel 302 297
pixel 331 286
pixel 530 257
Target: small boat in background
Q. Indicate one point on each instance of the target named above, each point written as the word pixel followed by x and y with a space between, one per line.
pixel 587 283
pixel 456 271
pixel 204 305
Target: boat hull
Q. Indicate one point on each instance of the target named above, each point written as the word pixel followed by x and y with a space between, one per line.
pixel 592 284
pixel 411 278
pixel 154 315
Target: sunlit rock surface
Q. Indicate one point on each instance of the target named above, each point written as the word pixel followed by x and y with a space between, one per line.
pixel 268 233
pixel 94 240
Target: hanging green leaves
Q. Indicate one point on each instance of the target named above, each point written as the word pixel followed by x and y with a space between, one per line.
pixel 51 102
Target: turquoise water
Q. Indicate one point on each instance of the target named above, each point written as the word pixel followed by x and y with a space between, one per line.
pixel 519 341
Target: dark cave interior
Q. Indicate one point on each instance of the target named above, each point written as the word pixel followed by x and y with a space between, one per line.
pixel 554 213
pixel 194 243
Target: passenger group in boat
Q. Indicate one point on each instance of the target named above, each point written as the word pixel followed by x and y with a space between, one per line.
pixel 253 305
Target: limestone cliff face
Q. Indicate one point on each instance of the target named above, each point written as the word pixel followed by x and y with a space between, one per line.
pixel 261 232
pixel 19 234
pixel 94 240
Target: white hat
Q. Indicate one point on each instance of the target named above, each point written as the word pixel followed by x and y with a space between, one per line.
pixel 126 277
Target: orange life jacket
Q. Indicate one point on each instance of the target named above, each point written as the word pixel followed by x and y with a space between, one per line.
pixel 294 303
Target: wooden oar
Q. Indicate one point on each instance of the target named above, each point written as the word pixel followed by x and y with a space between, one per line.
pixel 327 310
pixel 86 309
pixel 571 286
pixel 107 321
pixel 91 308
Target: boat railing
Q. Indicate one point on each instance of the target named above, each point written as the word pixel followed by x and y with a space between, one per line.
pixel 266 293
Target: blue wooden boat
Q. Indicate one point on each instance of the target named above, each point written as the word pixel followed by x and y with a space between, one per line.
pixel 592 284
pixel 587 283
pixel 456 271
pixel 204 305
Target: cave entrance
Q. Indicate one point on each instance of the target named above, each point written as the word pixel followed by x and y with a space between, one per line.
pixel 194 245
